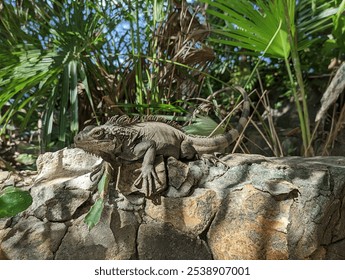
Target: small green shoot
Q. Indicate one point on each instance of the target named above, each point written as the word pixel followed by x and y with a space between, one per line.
pixel 94 215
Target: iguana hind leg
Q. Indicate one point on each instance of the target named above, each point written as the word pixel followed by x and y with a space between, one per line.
pixel 188 151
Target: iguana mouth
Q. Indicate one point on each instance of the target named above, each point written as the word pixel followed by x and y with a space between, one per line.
pixel 92 141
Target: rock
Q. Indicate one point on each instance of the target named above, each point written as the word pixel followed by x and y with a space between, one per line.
pixel 335 251
pixel 250 224
pixel 63 184
pixel 55 202
pixel 302 218
pixel 4 176
pixel 191 215
pixel 32 239
pixel 65 163
pixel 161 241
pixel 182 177
pixel 3 233
pixel 112 238
pixel 253 208
pixel 18 179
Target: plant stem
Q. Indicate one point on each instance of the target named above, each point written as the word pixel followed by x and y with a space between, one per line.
pixel 302 111
pixel 298 105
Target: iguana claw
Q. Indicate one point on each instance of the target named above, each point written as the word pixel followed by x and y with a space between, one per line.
pixel 213 159
pixel 149 178
pixel 97 172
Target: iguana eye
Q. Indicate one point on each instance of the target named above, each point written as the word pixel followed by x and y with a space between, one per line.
pixel 98 134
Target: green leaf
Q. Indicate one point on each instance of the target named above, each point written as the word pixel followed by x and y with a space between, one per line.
pixel 13 201
pixel 63 120
pixel 94 215
pixel 84 80
pixel 103 183
pixel 258 28
pixel 203 125
pixel 26 159
pixel 158 14
pixel 74 97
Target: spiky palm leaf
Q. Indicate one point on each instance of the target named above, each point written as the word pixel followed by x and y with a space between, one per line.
pixel 260 27
pixel 44 50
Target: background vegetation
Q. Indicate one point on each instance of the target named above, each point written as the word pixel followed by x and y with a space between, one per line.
pixel 65 63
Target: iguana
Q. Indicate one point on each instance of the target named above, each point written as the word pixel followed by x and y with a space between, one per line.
pixel 123 138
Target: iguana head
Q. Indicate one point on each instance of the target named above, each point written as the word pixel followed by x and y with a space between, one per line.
pixel 98 140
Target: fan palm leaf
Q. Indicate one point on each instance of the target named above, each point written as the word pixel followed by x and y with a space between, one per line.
pixel 255 27
pixel 260 27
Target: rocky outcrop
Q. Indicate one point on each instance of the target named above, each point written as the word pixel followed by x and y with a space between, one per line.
pixel 243 207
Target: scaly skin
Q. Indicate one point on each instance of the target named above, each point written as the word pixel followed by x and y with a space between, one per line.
pixel 124 139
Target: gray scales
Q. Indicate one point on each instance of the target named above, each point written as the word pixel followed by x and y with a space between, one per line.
pixel 124 139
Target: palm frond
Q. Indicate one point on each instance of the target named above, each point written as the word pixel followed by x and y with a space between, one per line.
pixel 253 27
pixel 53 48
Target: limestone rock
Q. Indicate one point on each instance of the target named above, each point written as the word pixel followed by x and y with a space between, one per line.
pixel 250 224
pixel 161 241
pixel 112 238
pixel 65 164
pixel 63 184
pixel 290 209
pixel 3 233
pixel 32 239
pixel 191 215
pixel 55 202
pixel 183 177
pixel 4 176
pixel 253 208
pixel 22 178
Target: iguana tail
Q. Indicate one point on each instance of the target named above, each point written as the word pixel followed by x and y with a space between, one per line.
pixel 219 143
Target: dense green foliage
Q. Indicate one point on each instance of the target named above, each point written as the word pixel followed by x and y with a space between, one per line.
pixel 65 62
pixel 280 29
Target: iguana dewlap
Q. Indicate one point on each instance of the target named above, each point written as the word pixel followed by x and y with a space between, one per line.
pixel 123 138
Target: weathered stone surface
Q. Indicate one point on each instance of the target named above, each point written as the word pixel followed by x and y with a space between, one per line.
pixel 290 210
pixel 3 233
pixel 183 177
pixel 335 251
pixel 65 164
pixel 250 224
pixel 55 202
pixel 112 238
pixel 161 241
pixel 191 215
pixel 256 208
pixel 32 239
pixel 4 176
pixel 22 178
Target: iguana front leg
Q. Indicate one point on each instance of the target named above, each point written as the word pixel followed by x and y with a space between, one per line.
pixel 147 150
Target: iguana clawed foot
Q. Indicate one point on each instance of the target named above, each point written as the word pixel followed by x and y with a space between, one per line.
pixel 130 203
pixel 97 172
pixel 148 180
pixel 213 158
